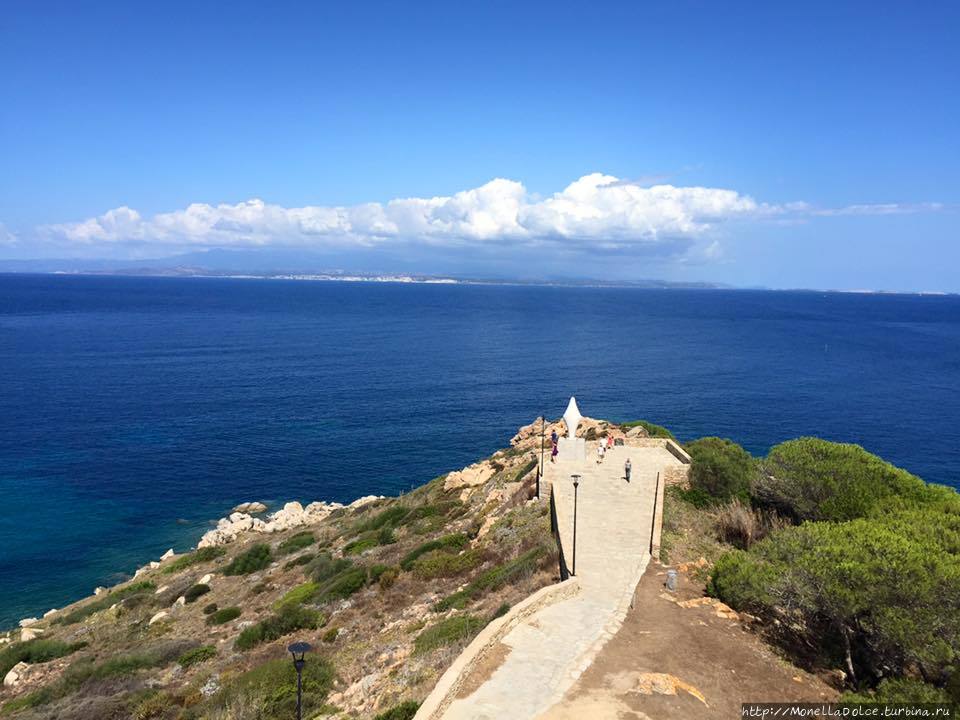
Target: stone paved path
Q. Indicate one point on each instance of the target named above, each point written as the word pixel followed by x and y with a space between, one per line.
pixel 552 648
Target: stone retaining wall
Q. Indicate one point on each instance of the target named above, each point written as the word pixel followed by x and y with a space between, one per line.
pixel 446 689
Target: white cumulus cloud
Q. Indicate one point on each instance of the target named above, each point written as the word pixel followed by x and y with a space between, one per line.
pixel 595 211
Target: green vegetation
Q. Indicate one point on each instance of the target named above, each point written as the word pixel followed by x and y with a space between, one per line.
pixel 388 578
pixel 454 542
pixel 304 559
pixel 500 611
pixel 325 567
pixel 272 689
pixel 494 578
pixel 197 656
pixel 296 542
pixel 105 601
pixel 196 591
pixel 439 564
pixel 522 472
pixel 210 609
pixel 391 517
pixel 655 431
pixel 361 544
pixel 224 615
pixel 870 593
pixel 256 558
pixel 287 619
pixel 720 471
pixel 900 690
pixel 386 536
pixel 343 585
pixel 404 711
pixel 812 479
pixel 298 595
pixel 457 629
pixel 330 636
pixel 200 555
pixel 34 651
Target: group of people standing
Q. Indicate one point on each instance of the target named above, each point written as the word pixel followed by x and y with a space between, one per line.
pixel 602 447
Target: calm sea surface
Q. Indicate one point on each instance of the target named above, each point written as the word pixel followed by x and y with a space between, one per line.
pixel 135 410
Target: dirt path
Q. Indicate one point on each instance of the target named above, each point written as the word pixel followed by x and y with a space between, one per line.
pixel 670 661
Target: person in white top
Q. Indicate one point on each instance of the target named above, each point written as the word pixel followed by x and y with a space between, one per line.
pixel 600 451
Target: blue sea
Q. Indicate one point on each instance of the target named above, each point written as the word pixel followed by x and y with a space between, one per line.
pixel 133 411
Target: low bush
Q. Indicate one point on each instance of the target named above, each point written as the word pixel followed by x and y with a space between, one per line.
pixel 296 542
pixel 899 690
pixel 196 591
pixel 391 517
pixel 375 572
pixel 386 536
pixel 812 479
pixel 298 595
pixel 454 542
pixel 271 688
pixel 224 615
pixel 200 555
pixel 439 564
pixel 197 656
pixel 457 629
pixel 39 650
pixel 105 601
pixel 286 620
pixel 721 469
pixel 741 526
pixel 325 567
pixel 330 636
pixel 210 609
pixel 361 544
pixel 500 611
pixel 523 566
pixel 655 431
pixel 404 711
pixel 343 585
pixel 86 671
pixel 388 578
pixel 304 559
pixel 256 558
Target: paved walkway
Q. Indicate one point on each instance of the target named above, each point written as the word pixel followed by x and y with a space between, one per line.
pixel 552 648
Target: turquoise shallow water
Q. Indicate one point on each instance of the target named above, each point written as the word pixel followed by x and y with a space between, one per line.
pixel 135 410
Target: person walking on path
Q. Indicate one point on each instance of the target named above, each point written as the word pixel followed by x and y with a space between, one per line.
pixel 627 467
pixel 609 442
pixel 600 452
pixel 554 437
pixel 554 453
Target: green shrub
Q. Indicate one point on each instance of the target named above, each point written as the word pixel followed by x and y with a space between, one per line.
pixel 287 619
pixel 457 629
pixel 388 578
pixel 812 479
pixel 106 601
pixel 296 542
pixel 454 542
pixel 152 706
pixel 528 466
pixel 325 567
pixel 272 688
pixel 197 655
pixel 868 593
pixel 330 636
pixel 899 690
pixel 721 469
pixel 655 431
pixel 38 650
pixel 375 572
pixel 256 558
pixel 224 615
pixel 391 517
pixel 495 578
pixel 343 585
pixel 439 564
pixel 386 536
pixel 500 611
pixel 298 595
pixel 304 559
pixel 200 555
pixel 404 711
pixel 125 665
pixel 210 609
pixel 361 544
pixel 196 591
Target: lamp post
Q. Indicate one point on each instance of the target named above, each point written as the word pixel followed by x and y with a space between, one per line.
pixel 298 650
pixel 543 425
pixel 576 484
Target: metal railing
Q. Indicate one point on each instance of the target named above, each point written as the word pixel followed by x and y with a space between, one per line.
pixel 653 522
pixel 555 529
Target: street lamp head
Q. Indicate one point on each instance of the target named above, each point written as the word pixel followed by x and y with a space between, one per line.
pixel 576 480
pixel 298 650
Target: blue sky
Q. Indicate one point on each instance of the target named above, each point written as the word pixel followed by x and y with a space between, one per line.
pixel 812 144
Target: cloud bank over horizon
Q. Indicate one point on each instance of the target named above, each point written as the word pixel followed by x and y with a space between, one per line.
pixel 597 212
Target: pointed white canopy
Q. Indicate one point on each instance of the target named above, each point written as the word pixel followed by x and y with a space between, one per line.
pixel 572 417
